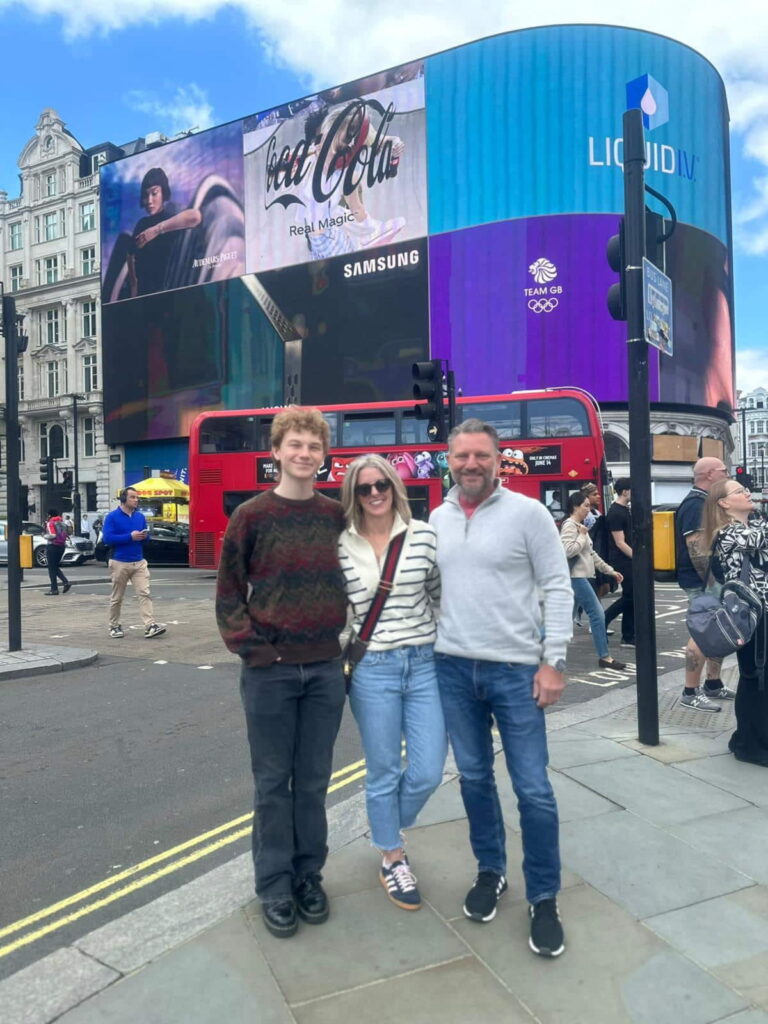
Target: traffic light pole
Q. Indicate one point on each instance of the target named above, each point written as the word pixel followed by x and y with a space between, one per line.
pixel 639 431
pixel 13 483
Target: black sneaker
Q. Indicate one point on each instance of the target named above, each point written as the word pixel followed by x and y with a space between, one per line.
pixel 153 630
pixel 280 918
pixel 67 587
pixel 546 930
pixel 400 883
pixel 116 632
pixel 311 901
pixel 481 900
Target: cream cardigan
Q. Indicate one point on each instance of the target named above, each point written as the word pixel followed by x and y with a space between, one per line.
pixel 579 545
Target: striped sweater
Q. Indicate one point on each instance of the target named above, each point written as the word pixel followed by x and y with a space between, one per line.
pixel 280 591
pixel 408 617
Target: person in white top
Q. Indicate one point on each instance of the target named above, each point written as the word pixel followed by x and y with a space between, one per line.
pixel 394 692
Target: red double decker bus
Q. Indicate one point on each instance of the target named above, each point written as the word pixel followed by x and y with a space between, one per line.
pixel 551 445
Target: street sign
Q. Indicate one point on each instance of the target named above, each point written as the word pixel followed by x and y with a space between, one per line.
pixel 657 307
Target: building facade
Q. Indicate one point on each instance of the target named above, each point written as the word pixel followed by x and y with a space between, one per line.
pixel 750 435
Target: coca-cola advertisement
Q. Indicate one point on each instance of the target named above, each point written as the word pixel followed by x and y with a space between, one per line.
pixel 337 173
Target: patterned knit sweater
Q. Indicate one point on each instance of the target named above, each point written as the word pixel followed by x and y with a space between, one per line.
pixel 280 590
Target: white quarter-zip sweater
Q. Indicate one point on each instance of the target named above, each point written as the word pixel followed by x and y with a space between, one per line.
pixel 498 569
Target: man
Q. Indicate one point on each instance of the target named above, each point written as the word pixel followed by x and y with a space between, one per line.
pixel 499 555
pixel 281 605
pixel 85 526
pixel 692 565
pixel 619 524
pixel 125 528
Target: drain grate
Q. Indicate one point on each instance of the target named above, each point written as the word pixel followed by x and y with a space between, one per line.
pixel 672 713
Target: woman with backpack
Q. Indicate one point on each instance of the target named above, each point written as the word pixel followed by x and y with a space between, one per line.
pixel 734 531
pixel 56 537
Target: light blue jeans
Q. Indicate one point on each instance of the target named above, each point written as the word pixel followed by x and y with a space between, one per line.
pixel 394 694
pixel 590 602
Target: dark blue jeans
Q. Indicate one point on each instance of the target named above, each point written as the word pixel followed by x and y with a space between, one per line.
pixel 55 553
pixel 473 694
pixel 293 713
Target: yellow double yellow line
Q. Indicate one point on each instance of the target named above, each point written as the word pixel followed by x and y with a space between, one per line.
pixel 213 840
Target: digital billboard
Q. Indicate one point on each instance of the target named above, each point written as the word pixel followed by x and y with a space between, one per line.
pixel 452 207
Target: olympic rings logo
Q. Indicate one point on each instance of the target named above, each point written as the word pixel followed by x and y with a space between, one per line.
pixel 542 305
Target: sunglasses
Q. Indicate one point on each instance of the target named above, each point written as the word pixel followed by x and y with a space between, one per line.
pixel 380 486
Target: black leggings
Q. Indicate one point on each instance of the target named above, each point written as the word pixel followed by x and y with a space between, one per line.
pixel 55 554
pixel 750 741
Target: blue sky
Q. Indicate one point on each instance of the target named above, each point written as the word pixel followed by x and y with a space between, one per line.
pixel 117 69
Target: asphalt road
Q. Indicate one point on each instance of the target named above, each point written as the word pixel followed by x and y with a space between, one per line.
pixel 109 767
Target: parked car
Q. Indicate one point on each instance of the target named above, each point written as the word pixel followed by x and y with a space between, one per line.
pixel 167 544
pixel 77 551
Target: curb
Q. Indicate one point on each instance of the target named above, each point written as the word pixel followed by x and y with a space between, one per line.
pixel 40 660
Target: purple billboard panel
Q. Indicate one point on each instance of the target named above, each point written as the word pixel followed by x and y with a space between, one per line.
pixel 174 216
pixel 521 304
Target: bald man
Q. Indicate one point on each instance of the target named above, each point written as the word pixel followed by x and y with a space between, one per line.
pixel 692 563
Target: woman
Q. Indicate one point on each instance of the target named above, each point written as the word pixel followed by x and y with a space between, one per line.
pixel 56 538
pixel 394 690
pixel 583 562
pixel 732 529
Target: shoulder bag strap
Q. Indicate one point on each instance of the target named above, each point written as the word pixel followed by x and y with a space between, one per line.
pixel 385 585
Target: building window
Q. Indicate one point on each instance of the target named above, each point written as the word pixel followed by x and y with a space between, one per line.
pixel 89 436
pixel 88 260
pixel 96 161
pixel 90 374
pixel 22 448
pixel 615 449
pixel 43 440
pixel 50 327
pixel 50 184
pixel 753 451
pixel 89 319
pixel 47 270
pixel 52 378
pixel 53 225
pixel 14 235
pixel 87 216
pixel 20 380
pixel 17 274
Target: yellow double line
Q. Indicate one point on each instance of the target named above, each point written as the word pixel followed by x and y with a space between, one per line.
pixel 216 839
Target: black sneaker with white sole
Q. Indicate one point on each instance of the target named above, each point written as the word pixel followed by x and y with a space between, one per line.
pixel 486 891
pixel 153 630
pixel 546 937
pixel 116 632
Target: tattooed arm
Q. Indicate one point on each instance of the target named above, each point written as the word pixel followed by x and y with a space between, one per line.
pixel 698 553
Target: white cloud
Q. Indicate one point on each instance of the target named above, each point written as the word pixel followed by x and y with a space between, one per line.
pixel 345 39
pixel 751 369
pixel 186 107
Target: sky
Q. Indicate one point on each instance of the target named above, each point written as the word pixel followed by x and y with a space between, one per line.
pixel 119 69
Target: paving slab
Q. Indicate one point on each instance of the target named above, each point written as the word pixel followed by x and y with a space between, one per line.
pixel 367 939
pixel 641 867
pixel 746 1017
pixel 604 945
pixel 43 991
pixel 575 802
pixel 453 993
pixel 736 838
pixel 676 747
pixel 669 989
pixel 652 791
pixel 219 976
pixel 566 753
pixel 748 781
pixel 714 933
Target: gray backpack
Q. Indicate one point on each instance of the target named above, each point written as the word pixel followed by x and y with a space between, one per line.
pixel 721 625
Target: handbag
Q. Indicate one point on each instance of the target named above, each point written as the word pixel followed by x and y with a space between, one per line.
pixel 357 644
pixel 721 625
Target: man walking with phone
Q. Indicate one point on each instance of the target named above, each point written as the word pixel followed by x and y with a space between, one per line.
pixel 125 529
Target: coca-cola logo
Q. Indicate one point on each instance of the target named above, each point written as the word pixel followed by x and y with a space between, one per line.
pixel 341 162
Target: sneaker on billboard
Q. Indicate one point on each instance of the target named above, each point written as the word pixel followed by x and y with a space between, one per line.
pixel 699 701
pixel 370 231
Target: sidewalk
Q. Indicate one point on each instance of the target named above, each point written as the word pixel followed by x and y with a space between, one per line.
pixel 40 659
pixel 664 902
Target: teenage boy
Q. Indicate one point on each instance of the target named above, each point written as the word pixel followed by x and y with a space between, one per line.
pixel 499 658
pixel 619 523
pixel 281 605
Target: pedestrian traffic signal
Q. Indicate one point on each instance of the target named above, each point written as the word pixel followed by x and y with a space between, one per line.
pixel 429 389
pixel 45 470
pixel 66 479
pixel 744 478
pixel 615 253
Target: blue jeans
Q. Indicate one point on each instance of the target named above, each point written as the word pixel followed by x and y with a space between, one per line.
pixel 293 713
pixel 590 602
pixel 472 693
pixel 394 695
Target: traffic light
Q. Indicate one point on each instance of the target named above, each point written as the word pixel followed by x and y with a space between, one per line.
pixel 429 389
pixel 66 479
pixel 615 253
pixel 45 470
pixel 654 233
pixel 10 323
pixel 744 478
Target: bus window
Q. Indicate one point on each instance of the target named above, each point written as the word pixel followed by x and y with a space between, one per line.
pixel 555 497
pixel 234 434
pixel 363 428
pixel 557 417
pixel 504 417
pixel 332 419
pixel 413 431
pixel 231 499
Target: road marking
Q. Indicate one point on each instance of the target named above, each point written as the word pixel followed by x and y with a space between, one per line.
pixel 348 774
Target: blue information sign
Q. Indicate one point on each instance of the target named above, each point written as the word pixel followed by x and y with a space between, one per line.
pixel 657 307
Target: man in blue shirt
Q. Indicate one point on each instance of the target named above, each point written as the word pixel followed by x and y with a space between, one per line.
pixel 124 530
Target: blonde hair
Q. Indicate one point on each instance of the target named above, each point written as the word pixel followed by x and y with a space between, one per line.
pixel 300 417
pixel 715 517
pixel 349 500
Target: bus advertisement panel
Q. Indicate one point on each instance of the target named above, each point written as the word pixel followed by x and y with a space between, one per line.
pixel 551 445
